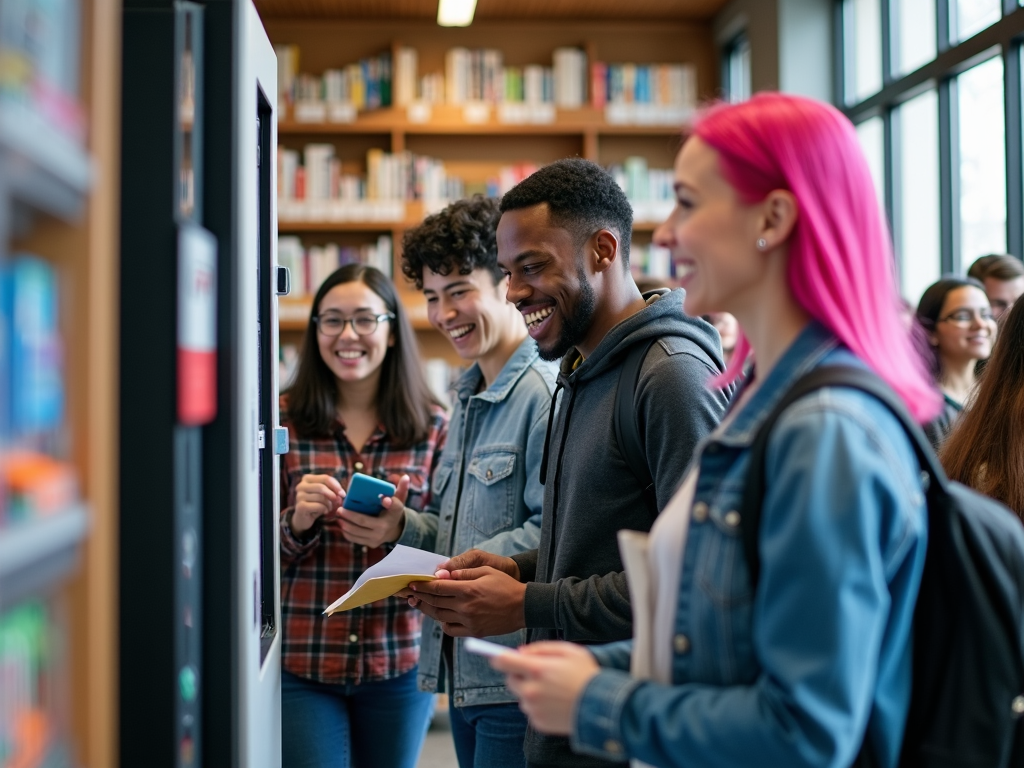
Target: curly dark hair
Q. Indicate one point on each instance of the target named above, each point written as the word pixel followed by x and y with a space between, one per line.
pixel 582 198
pixel 461 237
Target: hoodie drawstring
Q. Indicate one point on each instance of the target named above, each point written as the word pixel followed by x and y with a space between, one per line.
pixel 547 435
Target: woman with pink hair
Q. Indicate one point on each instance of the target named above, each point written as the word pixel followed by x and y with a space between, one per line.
pixel 777 223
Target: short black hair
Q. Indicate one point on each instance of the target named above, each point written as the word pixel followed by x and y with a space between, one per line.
pixel 459 238
pixel 582 198
pixel 998 266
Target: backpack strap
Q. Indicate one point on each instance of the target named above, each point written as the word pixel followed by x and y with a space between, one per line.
pixel 627 429
pixel 826 376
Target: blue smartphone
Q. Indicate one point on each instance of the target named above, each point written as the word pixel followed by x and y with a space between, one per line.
pixel 365 492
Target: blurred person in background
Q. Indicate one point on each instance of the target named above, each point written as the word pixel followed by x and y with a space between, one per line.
pixel 986 448
pixel 957 319
pixel 1003 278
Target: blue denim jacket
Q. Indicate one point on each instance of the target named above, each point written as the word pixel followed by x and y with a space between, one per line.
pixel 487 494
pixel 796 673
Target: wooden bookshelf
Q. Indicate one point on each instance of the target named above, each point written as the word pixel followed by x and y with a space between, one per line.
pixel 73 225
pixel 475 143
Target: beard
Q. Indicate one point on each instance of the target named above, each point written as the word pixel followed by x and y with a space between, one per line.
pixel 576 323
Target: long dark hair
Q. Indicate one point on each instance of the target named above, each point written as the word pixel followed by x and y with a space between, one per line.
pixel 404 399
pixel 930 307
pixel 985 449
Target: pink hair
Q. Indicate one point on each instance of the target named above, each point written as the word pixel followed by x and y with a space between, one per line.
pixel 841 267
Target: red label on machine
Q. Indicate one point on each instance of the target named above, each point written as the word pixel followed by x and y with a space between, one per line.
pixel 197 325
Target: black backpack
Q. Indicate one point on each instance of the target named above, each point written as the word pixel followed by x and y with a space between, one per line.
pixel 967 697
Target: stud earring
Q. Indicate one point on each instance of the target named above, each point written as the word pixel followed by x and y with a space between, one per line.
pixel 761 243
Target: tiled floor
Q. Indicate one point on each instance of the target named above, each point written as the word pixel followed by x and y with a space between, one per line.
pixel 438 750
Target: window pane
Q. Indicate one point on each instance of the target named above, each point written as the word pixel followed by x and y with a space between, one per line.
pixel 972 16
pixel 982 161
pixel 862 21
pixel 739 70
pixel 918 246
pixel 916 34
pixel 872 141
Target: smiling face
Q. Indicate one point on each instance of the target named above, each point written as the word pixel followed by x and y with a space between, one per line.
pixel 712 234
pixel 470 310
pixel 548 281
pixel 353 358
pixel 965 329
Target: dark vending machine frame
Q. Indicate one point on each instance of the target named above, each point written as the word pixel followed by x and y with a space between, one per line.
pixel 199 566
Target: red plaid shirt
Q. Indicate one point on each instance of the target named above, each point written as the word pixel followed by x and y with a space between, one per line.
pixel 374 642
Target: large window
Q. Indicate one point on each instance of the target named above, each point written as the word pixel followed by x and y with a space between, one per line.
pixel 934 88
pixel 737 69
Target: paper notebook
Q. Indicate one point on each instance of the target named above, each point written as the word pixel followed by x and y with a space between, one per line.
pixel 402 566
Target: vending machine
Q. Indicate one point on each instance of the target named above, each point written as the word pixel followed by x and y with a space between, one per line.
pixel 199 435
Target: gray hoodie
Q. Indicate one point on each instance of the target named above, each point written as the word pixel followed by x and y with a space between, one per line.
pixel 575 586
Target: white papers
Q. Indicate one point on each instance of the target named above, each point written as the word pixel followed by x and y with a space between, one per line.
pixel 402 566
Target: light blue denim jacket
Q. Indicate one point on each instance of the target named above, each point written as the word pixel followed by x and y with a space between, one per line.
pixel 487 494
pixel 794 674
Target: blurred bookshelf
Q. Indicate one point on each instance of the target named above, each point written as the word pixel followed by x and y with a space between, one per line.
pixel 385 123
pixel 59 69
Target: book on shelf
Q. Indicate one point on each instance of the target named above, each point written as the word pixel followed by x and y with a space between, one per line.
pixel 310 266
pixel 650 191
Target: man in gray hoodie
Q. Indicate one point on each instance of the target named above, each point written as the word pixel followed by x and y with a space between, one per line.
pixel 563 239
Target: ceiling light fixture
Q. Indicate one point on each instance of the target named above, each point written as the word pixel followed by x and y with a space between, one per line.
pixel 455 13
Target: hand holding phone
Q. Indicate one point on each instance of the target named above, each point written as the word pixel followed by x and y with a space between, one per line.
pixel 486 647
pixel 365 493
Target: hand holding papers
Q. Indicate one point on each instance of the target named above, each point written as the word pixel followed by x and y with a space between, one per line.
pixel 399 569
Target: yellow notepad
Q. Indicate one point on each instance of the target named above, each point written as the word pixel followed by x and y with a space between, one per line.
pixel 402 566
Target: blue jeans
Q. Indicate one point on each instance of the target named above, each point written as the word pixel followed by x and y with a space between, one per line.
pixel 374 725
pixel 488 736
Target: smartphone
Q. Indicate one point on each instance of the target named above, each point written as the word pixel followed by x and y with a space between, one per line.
pixel 486 647
pixel 364 494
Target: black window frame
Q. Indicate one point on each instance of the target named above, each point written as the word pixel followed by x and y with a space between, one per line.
pixel 952 59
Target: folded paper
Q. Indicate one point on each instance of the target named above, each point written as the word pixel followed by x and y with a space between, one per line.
pixel 402 566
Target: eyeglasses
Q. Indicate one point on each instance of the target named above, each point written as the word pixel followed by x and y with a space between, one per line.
pixel 964 317
pixel 363 325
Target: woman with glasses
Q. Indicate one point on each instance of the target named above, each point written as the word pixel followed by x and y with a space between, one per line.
pixel 360 403
pixel 957 319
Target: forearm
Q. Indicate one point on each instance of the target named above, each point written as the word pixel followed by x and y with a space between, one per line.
pixel 593 610
pixel 420 530
pixel 527 563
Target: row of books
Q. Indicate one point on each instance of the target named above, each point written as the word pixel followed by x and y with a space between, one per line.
pixel 32 685
pixel 366 84
pixel 651 191
pixel 40 61
pixel 310 266
pixel 33 482
pixel 651 260
pixel 629 92
pixel 318 188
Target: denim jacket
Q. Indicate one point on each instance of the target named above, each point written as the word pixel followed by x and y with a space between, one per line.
pixel 797 672
pixel 487 495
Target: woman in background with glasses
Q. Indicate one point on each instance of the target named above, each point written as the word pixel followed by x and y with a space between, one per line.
pixel 957 319
pixel 360 403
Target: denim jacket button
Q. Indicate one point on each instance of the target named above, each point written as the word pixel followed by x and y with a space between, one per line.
pixel 490 473
pixel 732 519
pixel 613 746
pixel 681 643
pixel 1018 706
pixel 700 512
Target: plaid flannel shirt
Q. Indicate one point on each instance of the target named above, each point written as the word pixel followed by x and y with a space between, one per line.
pixel 376 641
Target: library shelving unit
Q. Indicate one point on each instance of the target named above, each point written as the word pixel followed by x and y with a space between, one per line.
pixel 58 202
pixel 474 145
